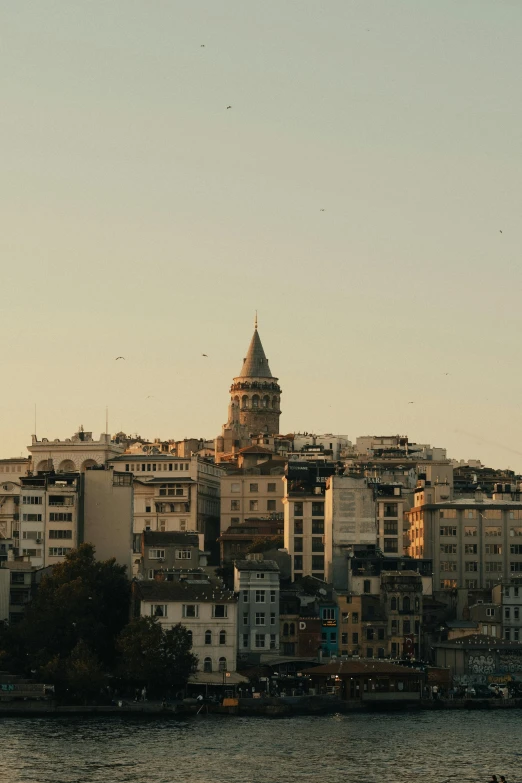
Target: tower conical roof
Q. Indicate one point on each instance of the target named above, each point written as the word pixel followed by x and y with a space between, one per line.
pixel 255 365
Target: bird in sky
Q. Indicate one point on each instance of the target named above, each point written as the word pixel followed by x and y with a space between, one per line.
pixel 119 357
pixel 500 231
pixel 321 210
pixel 229 107
pixel 412 402
pixel 447 373
pixel 204 354
pixel 202 46
pixel 149 396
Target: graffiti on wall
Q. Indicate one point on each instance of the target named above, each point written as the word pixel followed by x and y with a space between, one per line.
pixel 481 663
pixel 510 662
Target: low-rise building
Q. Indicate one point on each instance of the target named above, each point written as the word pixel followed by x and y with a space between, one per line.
pixel 508 596
pixel 17 581
pixel 368 681
pixel 256 582
pixel 254 489
pixel 163 552
pixel 235 542
pixel 205 608
pixel 488 617
pixel 479 659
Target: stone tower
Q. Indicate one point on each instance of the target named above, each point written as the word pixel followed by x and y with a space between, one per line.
pixel 255 401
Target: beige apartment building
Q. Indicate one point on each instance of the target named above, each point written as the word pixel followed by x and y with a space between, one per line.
pixel 472 543
pixel 11 472
pixel 252 492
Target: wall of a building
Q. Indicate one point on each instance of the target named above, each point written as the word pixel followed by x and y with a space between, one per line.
pixel 108 515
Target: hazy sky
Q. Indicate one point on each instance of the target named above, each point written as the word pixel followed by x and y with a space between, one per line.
pixel 142 218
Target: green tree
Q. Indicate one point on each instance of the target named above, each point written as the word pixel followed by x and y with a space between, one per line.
pixel 81 600
pixel 161 660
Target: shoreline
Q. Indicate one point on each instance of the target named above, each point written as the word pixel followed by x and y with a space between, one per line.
pixel 269 707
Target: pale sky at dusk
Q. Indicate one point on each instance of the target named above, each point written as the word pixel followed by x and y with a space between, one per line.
pixel 142 218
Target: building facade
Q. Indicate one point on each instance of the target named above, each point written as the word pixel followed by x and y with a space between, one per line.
pixel 72 455
pixel 252 492
pixel 257 585
pixel 508 596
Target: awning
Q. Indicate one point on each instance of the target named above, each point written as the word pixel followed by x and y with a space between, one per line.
pixel 216 678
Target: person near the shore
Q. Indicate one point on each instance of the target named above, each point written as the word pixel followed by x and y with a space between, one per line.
pixel 503 779
pixel 144 694
pixel 493 779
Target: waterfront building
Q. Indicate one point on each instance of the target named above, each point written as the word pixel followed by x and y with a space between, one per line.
pixel 480 659
pixel 473 543
pixel 257 584
pixel 368 681
pixel 206 608
pixel 508 596
pixel 255 403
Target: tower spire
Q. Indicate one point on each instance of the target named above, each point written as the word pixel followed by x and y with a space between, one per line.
pixel 255 322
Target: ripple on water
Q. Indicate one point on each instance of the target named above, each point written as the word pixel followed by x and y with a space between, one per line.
pixel 398 748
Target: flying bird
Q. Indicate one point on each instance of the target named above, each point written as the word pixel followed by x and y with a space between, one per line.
pixel 149 396
pixel 321 210
pixel 500 230
pixel 412 402
pixel 119 357
pixel 447 373
pixel 229 107
pixel 204 354
pixel 202 46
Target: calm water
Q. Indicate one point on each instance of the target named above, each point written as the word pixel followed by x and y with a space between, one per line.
pixel 429 747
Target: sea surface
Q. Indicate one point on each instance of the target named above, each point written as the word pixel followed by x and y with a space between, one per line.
pixel 372 748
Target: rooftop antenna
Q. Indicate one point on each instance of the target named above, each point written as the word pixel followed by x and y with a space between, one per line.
pixel 255 322
pixel 35 422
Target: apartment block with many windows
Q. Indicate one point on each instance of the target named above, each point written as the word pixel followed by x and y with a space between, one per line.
pixel 508 596
pixel 257 584
pixel 472 543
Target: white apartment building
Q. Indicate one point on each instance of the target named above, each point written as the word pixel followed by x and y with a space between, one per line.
pixel 11 471
pixel 509 596
pixel 208 610
pixel 72 455
pixel 472 543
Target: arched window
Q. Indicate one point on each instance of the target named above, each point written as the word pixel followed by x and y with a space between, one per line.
pixel 393 604
pixel 207 665
pixel 89 463
pixel 406 604
pixel 255 401
pixel 67 466
pixel 208 637
pixel 266 401
pixel 222 637
pixel 406 628
pixel 285 629
pixel 222 664
pixel 292 629
pixel 244 401
pixel 236 401
pixel 274 402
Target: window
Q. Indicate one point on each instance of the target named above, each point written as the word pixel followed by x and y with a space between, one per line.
pixel 493 531
pixel 493 549
pixel 406 627
pixel 245 618
pixel 207 665
pixel 253 505
pixel 317 544
pixel 470 549
pixel 380 633
pixel 208 637
pixel 254 487
pixel 31 534
pixel 157 554
pixel 298 527
pixel 222 664
pixel 57 551
pixel 272 618
pixel 450 549
pixel 390 509
pixel 260 640
pixel 369 652
pixel 32 500
pixel 507 613
pixel 272 641
pixel 298 562
pixel 333 637
pixel 260 618
pixel 318 509
pixel 60 533
pixel 158 610
pixel 344 638
pixel 448 530
pixel 183 554
pixel 328 614
pixel 355 638
pixel 394 626
pixel 235 487
pixel 369 634
pixel 380 652
pixel 515 531
pixel 234 505
pixel 260 596
pixel 391 527
pixel 317 562
pixel 515 567
pixel 391 545
pixel 245 640
pixel 298 544
pixel 298 509
pixel 317 526
pixel 219 610
pixel 470 530
pixel 393 604
pixel 471 565
pixel 515 549
pixel 245 595
pixel 183 524
pixel 31 517
pixel 272 596
pixel 448 565
pixel 367 586
pixel 471 584
pixel 448 584
pixel 493 566
pixel 190 610
pixel 271 487
pixel 516 613
pixel 260 576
